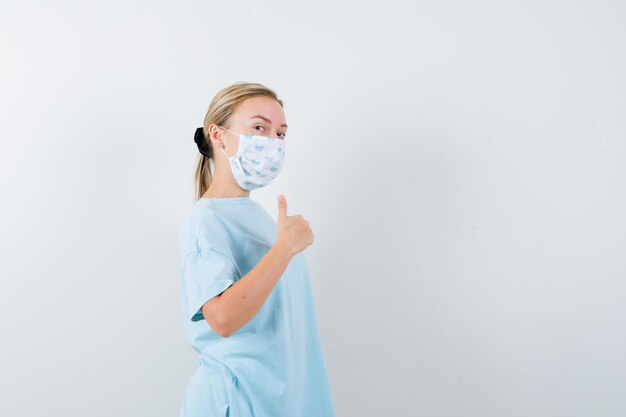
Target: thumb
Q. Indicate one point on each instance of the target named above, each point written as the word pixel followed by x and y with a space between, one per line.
pixel 282 207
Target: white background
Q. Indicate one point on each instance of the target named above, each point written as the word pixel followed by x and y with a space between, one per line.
pixel 462 164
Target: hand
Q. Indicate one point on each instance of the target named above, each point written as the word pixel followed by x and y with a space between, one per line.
pixel 292 231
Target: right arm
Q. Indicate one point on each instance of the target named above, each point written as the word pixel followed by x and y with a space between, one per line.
pixel 239 303
pixel 232 309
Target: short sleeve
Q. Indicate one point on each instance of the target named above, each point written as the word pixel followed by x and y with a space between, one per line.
pixel 206 273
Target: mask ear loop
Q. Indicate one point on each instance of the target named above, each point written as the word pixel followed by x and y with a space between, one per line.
pixel 222 148
pixel 200 140
pixel 229 130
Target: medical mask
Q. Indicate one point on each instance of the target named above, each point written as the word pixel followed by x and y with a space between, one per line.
pixel 258 160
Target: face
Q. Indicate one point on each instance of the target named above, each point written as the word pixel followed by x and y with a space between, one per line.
pixel 259 115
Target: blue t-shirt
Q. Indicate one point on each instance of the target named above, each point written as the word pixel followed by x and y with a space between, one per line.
pixel 274 365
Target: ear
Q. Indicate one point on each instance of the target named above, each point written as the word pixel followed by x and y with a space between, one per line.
pixel 215 136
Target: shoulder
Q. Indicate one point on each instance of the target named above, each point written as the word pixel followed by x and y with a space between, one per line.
pixel 201 227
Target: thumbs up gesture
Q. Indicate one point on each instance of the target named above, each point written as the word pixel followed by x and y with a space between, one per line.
pixel 293 231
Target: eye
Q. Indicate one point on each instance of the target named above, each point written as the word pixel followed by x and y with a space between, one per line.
pixel 284 135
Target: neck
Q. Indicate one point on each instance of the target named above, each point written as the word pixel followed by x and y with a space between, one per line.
pixel 222 192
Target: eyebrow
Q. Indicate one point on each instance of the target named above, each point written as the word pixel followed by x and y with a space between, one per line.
pixel 267 120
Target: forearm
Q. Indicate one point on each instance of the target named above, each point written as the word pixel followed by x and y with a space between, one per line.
pixel 242 300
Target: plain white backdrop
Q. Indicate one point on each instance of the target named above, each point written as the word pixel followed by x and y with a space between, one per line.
pixel 462 164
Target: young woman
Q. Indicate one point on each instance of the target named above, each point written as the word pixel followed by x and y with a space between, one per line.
pixel 245 290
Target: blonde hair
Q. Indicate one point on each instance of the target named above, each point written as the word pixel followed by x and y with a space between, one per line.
pixel 220 110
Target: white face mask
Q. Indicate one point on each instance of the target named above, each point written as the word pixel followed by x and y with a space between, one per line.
pixel 259 159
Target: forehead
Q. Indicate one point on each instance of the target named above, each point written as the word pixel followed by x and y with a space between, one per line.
pixel 263 106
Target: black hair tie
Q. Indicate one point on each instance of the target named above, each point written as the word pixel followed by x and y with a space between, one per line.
pixel 200 140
